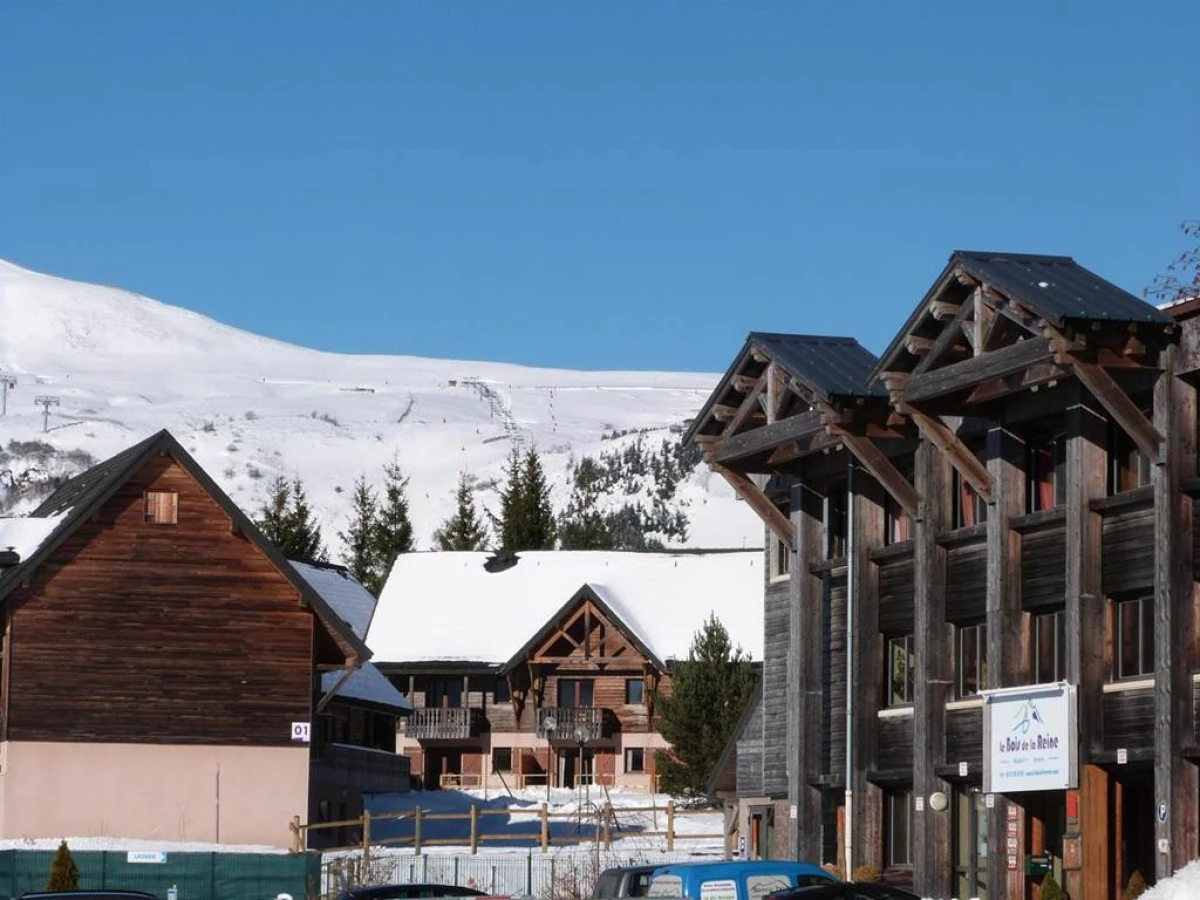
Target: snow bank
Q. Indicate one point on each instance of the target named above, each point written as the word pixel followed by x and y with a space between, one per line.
pixel 1183 885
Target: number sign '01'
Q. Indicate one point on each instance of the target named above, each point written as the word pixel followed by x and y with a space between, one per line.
pixel 1029 739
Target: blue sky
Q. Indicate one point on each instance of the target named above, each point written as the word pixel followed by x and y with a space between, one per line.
pixel 595 185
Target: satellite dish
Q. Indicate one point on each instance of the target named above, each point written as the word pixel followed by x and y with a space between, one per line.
pixel 549 723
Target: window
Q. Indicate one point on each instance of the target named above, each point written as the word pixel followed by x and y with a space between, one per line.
pixel 1129 467
pixel 1133 645
pixel 635 691
pixel 897 526
pixel 901 661
pixel 899 828
pixel 781 558
pixel 443 693
pixel 1049 647
pixel 836 509
pixel 501 692
pixel 972 659
pixel 968 507
pixel 502 759
pixel 635 759
pixel 1045 471
pixel 162 508
pixel 575 693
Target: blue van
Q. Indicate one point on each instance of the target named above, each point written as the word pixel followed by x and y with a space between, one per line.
pixel 739 880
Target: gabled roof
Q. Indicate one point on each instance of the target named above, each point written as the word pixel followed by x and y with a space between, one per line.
pixel 729 752
pixel 78 499
pixel 1055 288
pixel 829 366
pixel 586 593
pixel 354 604
pixel 445 606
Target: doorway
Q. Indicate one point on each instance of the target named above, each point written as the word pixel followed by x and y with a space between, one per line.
pixel 576 766
pixel 439 762
pixel 762 832
pixel 970 843
pixel 1132 805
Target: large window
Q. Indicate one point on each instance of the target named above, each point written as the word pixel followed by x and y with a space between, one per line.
pixel 837 507
pixel 899 828
pixel 1129 467
pixel 1133 638
pixel 1049 647
pixel 635 759
pixel 901 662
pixel 502 758
pixel 971 660
pixel 575 692
pixel 1045 471
pixel 635 691
pixel 968 507
pixel 781 558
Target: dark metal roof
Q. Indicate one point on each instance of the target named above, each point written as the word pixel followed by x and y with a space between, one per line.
pixel 832 366
pixel 78 499
pixel 1057 288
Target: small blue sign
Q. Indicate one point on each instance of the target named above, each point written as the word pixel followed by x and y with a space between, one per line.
pixel 1162 811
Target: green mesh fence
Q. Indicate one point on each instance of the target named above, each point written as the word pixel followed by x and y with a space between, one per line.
pixel 182 876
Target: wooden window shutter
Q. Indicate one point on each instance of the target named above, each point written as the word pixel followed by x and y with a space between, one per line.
pixel 162 507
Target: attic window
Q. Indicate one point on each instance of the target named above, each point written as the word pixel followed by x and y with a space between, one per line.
pixel 162 508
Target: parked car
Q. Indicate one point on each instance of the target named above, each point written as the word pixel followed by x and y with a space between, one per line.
pixel 623 881
pixel 737 880
pixel 87 895
pixel 408 892
pixel 846 891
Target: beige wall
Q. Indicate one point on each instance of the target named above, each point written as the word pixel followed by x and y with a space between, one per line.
pixel 235 795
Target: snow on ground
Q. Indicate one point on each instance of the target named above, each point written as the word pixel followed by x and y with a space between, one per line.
pixel 249 408
pixel 432 601
pixel 1183 885
pixel 514 820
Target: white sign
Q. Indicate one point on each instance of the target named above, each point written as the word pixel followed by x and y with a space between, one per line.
pixel 741 846
pixel 1122 756
pixel 920 803
pixel 963 769
pixel 300 732
pixel 723 889
pixel 793 812
pixel 989 801
pixel 1029 739
pixel 146 856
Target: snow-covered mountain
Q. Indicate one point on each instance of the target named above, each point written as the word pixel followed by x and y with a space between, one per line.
pixel 249 408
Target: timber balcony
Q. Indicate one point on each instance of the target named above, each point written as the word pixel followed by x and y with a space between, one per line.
pixel 436 724
pixel 569 720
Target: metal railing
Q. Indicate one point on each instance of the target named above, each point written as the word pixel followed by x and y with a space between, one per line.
pixel 436 723
pixel 565 723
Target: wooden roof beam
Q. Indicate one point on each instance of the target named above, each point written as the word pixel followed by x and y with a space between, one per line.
pixel 744 383
pixel 964 461
pixel 1123 410
pixel 917 345
pixel 766 437
pixel 748 407
pixel 780 525
pixel 945 340
pixel 876 462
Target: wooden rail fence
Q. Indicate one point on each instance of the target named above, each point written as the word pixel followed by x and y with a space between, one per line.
pixel 601 823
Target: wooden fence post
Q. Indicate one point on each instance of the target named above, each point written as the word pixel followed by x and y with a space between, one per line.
pixel 417 831
pixel 670 825
pixel 366 842
pixel 545 827
pixel 474 829
pixel 297 839
pixel 608 828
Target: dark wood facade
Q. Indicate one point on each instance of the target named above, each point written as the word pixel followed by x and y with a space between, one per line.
pixel 584 672
pixel 1015 509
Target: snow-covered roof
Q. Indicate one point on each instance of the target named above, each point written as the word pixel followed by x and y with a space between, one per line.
pixel 447 607
pixel 368 685
pixel 26 535
pixel 354 604
pixel 342 591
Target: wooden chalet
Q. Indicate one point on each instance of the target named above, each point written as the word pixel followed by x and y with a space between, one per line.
pixel 159 661
pixel 546 672
pixel 1002 500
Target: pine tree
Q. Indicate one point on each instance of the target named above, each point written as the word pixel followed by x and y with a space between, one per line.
pixel 359 538
pixel 538 510
pixel 286 520
pixel 509 524
pixel 394 532
pixel 582 526
pixel 464 530
pixel 708 693
pixel 1051 890
pixel 304 531
pixel 64 874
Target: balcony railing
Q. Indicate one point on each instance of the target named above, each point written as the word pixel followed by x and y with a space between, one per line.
pixel 436 724
pixel 568 722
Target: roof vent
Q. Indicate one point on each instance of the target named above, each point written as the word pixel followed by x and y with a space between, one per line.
pixel 9 558
pixel 500 560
